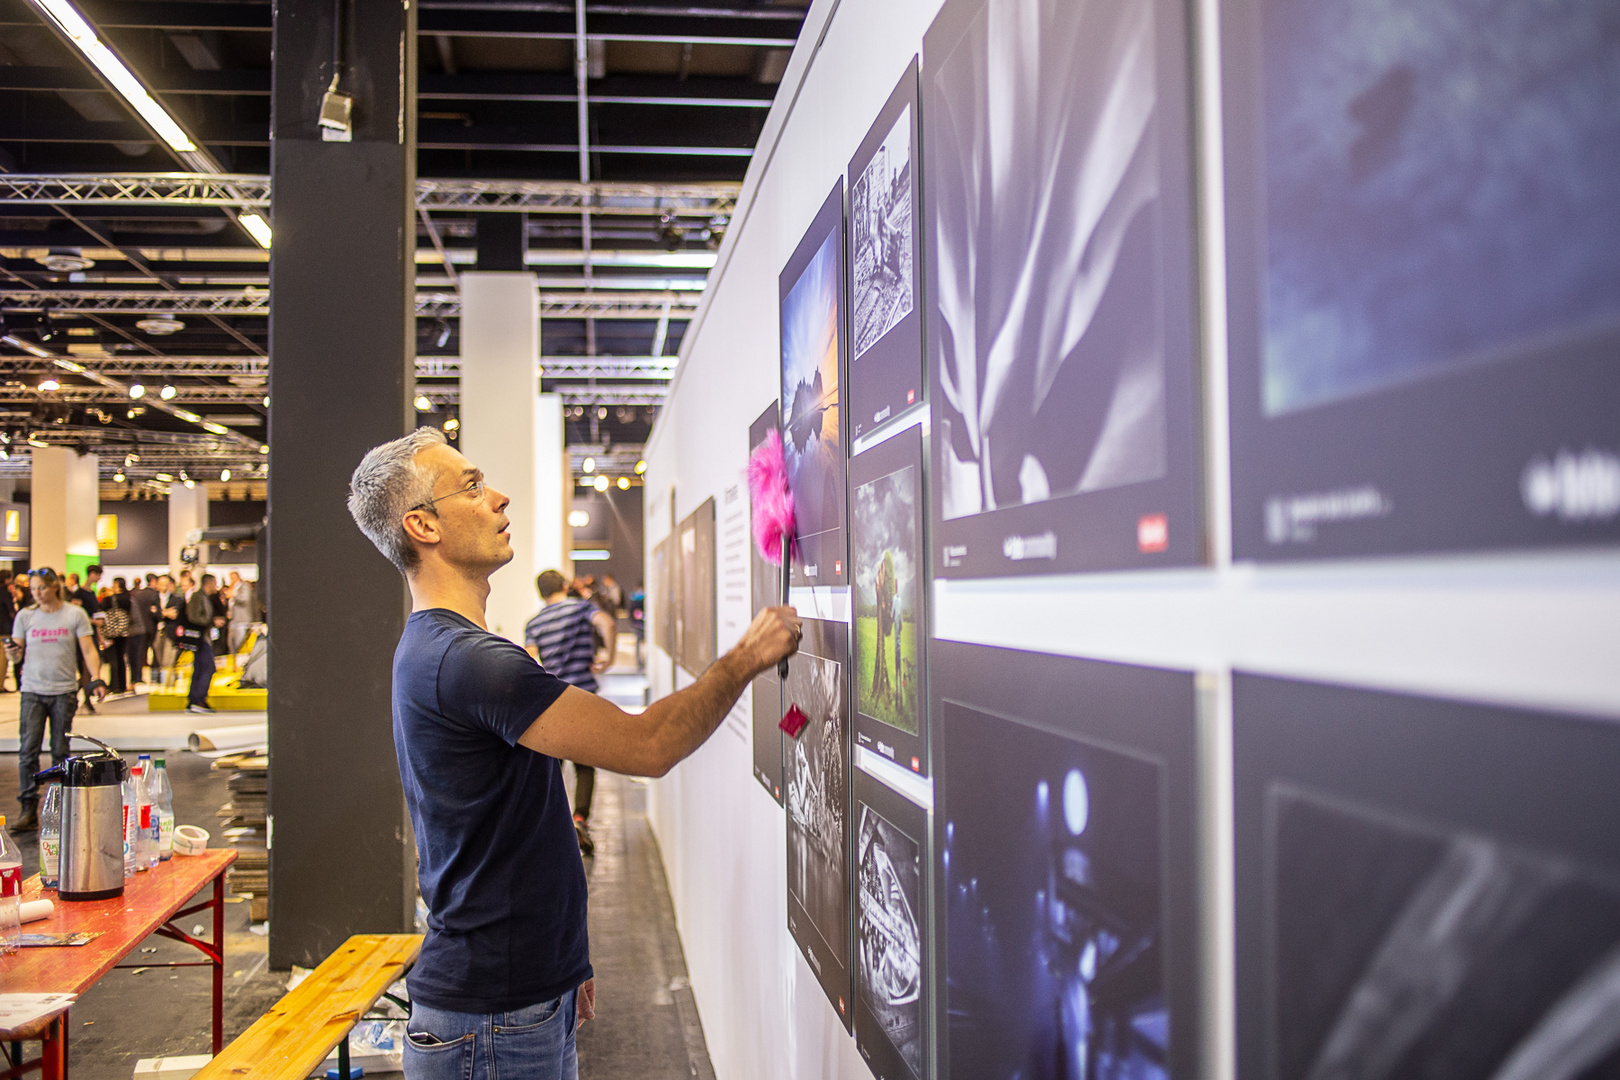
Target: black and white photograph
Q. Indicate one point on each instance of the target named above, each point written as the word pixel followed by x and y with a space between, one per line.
pixel 815 779
pixel 765 694
pixel 1065 862
pixel 888 572
pixel 1435 888
pixel 1423 280
pixel 813 447
pixel 885 356
pixel 1061 293
pixel 891 977
pixel 696 558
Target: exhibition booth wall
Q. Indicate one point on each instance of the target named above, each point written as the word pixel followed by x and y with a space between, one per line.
pixel 1220 635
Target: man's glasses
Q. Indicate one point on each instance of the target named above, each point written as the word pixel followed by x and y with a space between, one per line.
pixel 475 489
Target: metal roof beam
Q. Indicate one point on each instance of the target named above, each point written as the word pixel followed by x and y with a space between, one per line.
pixel 553 305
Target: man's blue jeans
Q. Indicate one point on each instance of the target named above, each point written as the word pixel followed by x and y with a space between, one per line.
pixel 536 1043
pixel 36 708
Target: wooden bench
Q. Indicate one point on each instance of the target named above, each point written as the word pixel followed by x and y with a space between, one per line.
pixel 291 1040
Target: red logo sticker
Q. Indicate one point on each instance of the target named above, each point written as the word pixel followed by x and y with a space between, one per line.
pixel 838 566
pixel 911 396
pixel 916 766
pixel 1153 532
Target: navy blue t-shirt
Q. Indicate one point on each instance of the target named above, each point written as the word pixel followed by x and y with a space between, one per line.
pixel 499 861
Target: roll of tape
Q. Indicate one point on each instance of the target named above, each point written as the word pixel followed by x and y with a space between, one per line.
pixel 190 840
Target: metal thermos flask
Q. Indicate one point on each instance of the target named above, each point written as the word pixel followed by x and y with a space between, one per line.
pixel 92 865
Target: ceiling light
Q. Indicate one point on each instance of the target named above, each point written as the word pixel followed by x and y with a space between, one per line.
pixel 217 429
pixel 641 467
pixel 137 391
pixel 443 337
pixel 167 478
pixel 48 384
pixel 160 325
pixel 183 475
pixel 130 459
pixel 267 401
pixel 264 448
pixel 37 440
pixel 264 466
pixel 624 483
pixel 601 483
pixel 189 483
pixel 167 393
pixel 26 346
pixel 115 72
pixel 578 519
pixel 138 410
pixel 423 404
pixel 256 227
pixel 224 475
pixel 64 262
pixel 601 412
pixel 118 477
pixel 187 414
pixel 589 465
pixel 69 365
pixel 452 424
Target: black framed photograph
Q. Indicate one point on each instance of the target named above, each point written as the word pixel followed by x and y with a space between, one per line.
pixel 815 781
pixel 888 577
pixel 1425 887
pixel 813 440
pixel 765 693
pixel 1066 894
pixel 892 937
pixel 1423 277
pixel 1061 300
pixel 695 556
pixel 885 346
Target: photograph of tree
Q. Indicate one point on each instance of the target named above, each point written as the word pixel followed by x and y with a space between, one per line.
pixel 812 293
pixel 815 779
pixel 891 988
pixel 1060 285
pixel 887 574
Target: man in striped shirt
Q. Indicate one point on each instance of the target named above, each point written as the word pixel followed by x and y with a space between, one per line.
pixel 563 638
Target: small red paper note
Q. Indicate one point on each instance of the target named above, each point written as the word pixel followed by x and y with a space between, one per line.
pixel 794 721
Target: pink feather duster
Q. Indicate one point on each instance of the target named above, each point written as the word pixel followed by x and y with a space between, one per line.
pixel 772 499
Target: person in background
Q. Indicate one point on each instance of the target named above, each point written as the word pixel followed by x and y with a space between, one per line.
pixel 220 603
pixel 563 637
pixel 612 596
pixel 196 616
pixel 85 597
pixel 165 644
pixel 47 643
pixel 143 616
pixel 243 615
pixel 8 613
pixel 117 616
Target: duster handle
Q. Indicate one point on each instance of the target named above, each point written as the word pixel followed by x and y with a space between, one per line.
pixel 787 576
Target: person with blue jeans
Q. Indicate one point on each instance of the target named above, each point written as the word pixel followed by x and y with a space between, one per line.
pixel 481 729
pixel 51 637
pixel 196 618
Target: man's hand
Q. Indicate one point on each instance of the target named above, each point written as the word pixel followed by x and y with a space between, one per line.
pixel 586 1007
pixel 98 690
pixel 772 637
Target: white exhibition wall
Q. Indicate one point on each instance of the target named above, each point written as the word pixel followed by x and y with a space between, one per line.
pixel 1539 629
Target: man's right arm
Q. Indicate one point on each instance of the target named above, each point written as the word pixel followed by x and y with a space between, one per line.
pixel 590 730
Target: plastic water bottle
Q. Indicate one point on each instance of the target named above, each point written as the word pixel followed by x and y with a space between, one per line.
pixel 10 889
pixel 131 816
pixel 143 813
pixel 50 836
pixel 162 796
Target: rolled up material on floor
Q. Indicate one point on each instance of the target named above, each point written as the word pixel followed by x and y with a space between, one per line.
pixel 239 737
pixel 34 910
pixel 190 840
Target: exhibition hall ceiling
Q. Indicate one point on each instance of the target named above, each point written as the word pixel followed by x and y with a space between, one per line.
pixel 619 132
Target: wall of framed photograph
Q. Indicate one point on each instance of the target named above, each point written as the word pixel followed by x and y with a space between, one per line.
pixel 1067 895
pixel 886 368
pixel 1120 396
pixel 889 567
pixel 814 441
pixel 695 559
pixel 1424 886
pixel 816 788
pixel 893 940
pixel 1061 296
pixel 1424 288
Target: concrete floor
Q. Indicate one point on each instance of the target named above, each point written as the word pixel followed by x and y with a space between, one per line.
pixel 647 1025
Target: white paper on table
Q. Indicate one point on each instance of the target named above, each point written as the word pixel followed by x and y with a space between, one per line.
pixel 18 1009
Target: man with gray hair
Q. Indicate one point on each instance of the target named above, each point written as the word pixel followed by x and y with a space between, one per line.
pixel 481 729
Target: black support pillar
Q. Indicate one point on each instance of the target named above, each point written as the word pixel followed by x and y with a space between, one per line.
pixel 342 351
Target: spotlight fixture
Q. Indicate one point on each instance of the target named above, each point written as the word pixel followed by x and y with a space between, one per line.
pixel 641 467
pixel 601 412
pixel 138 410
pixel 137 391
pixel 189 483
pixel 442 337
pixel 452 425
pixel 624 483
pixel 267 401
pixel 65 262
pixel 256 227
pixel 167 393
pixel 224 476
pixel 601 483
pixel 131 459
pixel 48 384
pixel 167 478
pixel 4 453
pixel 118 477
pixel 578 519
pixel 588 466
pixel 38 440
pixel 160 325
pixel 423 404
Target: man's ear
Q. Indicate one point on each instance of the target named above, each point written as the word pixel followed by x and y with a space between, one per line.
pixel 421 526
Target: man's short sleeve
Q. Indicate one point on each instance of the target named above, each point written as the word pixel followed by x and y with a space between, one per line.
pixel 494 685
pixel 81 622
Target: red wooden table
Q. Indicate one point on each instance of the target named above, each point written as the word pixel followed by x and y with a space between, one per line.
pixel 150 904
